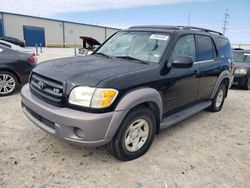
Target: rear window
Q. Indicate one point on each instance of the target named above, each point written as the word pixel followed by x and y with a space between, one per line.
pixel 4 44
pixel 205 48
pixel 224 47
pixel 243 57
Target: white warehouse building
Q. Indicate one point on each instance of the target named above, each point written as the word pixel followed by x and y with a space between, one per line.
pixel 50 32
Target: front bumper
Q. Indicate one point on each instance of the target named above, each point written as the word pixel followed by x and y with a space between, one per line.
pixel 96 129
pixel 240 80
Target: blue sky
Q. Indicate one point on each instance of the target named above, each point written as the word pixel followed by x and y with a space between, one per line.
pixel 209 14
pixel 124 13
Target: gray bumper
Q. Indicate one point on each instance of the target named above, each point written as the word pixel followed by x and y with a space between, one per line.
pixel 97 129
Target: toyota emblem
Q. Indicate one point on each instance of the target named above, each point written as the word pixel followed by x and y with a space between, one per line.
pixel 40 84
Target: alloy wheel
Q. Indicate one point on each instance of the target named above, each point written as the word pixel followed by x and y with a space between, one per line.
pixel 219 98
pixel 136 135
pixel 7 84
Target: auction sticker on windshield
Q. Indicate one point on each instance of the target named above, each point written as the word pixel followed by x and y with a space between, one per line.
pixel 159 37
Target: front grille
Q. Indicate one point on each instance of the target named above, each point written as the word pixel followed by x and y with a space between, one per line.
pixel 43 120
pixel 47 89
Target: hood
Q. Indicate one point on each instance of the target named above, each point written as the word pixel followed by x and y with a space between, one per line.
pixel 86 70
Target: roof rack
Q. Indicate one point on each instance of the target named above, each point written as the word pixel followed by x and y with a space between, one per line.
pixel 199 29
pixel 170 27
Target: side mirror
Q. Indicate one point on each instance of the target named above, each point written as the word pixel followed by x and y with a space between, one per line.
pixel 183 62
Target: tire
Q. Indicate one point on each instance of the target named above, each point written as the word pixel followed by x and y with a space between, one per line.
pixel 247 86
pixel 8 83
pixel 120 145
pixel 218 100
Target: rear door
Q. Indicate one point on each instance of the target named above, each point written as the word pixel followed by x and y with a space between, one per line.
pixel 209 65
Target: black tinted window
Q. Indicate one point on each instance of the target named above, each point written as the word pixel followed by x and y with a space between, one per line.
pixel 185 46
pixel 206 48
pixel 4 44
pixel 224 47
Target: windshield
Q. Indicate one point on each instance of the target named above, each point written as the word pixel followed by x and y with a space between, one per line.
pixel 133 45
pixel 243 57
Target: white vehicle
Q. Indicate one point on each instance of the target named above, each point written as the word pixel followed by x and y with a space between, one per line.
pixel 17 48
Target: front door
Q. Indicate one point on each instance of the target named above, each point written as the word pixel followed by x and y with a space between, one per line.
pixel 181 87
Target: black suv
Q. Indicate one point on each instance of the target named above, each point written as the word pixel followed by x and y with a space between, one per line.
pixel 139 81
pixel 242 68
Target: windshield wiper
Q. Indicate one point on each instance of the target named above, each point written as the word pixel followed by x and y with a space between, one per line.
pixel 131 58
pixel 102 54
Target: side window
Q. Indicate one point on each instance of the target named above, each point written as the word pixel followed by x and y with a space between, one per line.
pixel 206 49
pixel 224 47
pixel 4 44
pixel 185 46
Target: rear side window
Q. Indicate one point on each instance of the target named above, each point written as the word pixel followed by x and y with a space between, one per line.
pixel 205 48
pixel 185 46
pixel 224 47
pixel 4 44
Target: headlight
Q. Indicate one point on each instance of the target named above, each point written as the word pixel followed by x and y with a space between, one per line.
pixel 242 71
pixel 92 97
pixel 81 96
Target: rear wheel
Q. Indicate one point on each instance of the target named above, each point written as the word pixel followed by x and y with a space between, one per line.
pixel 8 83
pixel 247 86
pixel 135 135
pixel 218 100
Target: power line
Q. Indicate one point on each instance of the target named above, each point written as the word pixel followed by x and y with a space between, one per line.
pixel 225 22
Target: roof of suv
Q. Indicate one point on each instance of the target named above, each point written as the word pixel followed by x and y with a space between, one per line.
pixel 174 28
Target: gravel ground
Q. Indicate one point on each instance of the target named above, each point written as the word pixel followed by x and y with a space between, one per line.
pixel 206 150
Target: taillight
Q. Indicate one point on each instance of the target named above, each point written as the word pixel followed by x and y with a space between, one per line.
pixel 32 59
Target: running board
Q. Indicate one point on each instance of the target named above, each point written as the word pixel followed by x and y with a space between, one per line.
pixel 184 114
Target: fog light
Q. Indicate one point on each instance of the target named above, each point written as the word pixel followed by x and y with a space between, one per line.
pixel 79 132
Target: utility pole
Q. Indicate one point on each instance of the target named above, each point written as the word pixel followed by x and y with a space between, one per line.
pixel 189 18
pixel 225 22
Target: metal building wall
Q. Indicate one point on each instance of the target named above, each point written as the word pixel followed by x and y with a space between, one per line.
pixel 110 32
pixel 74 31
pixel 13 26
pixel 57 32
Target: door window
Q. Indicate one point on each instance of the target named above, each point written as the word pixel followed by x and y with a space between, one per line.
pixel 185 46
pixel 206 49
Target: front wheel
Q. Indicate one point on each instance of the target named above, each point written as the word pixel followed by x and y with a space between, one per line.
pixel 135 135
pixel 218 100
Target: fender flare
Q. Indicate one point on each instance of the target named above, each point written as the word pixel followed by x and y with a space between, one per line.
pixel 11 70
pixel 129 101
pixel 139 96
pixel 223 75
